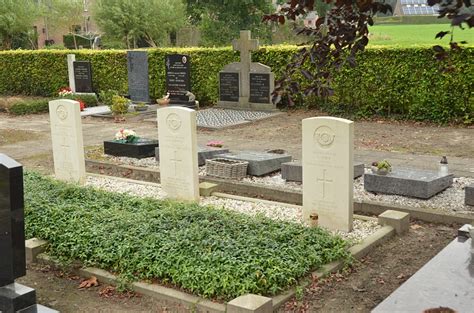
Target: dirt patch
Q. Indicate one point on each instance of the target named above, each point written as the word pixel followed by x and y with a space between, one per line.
pixel 375 277
pixel 11 136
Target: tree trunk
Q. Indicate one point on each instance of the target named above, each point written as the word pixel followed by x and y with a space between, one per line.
pixel 75 41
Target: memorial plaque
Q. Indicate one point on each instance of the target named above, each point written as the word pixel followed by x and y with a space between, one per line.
pixel 138 81
pixel 83 76
pixel 229 87
pixel 259 88
pixel 178 76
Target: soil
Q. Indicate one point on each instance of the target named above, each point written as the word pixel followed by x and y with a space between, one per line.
pixel 359 290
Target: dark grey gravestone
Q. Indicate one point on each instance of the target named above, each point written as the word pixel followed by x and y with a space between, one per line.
pixel 445 281
pixel 293 171
pixel 83 76
pixel 178 79
pixel 469 197
pixel 260 88
pixel 203 154
pixel 408 182
pixel 229 86
pixel 143 148
pixel 260 163
pixel 13 297
pixel 138 81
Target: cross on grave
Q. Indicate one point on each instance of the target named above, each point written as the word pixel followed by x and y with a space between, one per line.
pixel 175 161
pixel 324 181
pixel 245 45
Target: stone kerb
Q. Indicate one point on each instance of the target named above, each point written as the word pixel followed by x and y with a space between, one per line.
pixel 66 135
pixel 178 153
pixel 328 172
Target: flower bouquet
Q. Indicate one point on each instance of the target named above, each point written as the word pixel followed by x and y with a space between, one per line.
pixel 126 136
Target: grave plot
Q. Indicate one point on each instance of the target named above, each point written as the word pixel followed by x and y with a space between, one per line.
pixel 220 118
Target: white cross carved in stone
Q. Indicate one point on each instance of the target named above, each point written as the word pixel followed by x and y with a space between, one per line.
pixel 324 180
pixel 175 161
pixel 245 45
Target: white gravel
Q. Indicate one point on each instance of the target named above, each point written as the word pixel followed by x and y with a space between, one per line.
pixel 361 230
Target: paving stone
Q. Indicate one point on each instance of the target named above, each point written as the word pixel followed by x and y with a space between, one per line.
pixel 408 182
pixel 469 198
pixel 250 304
pixel 293 171
pixel 204 153
pixel 260 163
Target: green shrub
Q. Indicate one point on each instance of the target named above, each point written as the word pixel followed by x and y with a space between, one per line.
pixel 24 107
pixel 89 99
pixel 211 252
pixel 106 96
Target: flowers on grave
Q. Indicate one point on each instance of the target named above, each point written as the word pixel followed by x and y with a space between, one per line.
pixel 64 92
pixel 381 167
pixel 126 136
pixel 215 143
pixel 82 105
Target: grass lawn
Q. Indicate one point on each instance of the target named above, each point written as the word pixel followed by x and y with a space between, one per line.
pixel 211 252
pixel 415 35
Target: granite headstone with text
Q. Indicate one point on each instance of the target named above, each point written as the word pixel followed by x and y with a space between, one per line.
pixel 178 81
pixel 328 172
pixel 83 76
pixel 138 80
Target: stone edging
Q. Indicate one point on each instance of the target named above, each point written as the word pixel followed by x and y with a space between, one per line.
pixel 274 194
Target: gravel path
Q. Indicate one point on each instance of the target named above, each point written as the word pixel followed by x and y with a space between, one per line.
pixel 361 230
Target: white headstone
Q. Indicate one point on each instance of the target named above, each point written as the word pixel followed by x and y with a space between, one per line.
pixel 66 135
pixel 178 153
pixel 70 71
pixel 328 171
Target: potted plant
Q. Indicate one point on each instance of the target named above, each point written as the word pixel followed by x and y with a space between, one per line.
pixel 119 107
pixel 381 167
pixel 140 107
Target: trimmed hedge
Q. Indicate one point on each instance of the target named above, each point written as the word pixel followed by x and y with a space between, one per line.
pixel 387 81
pixel 30 107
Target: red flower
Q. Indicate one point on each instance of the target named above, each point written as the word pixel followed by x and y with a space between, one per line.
pixel 82 105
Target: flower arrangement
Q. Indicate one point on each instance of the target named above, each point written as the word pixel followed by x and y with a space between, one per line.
pixel 381 167
pixel 215 144
pixel 126 136
pixel 82 105
pixel 64 91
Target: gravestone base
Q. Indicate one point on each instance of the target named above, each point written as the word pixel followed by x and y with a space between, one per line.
pixel 469 195
pixel 410 183
pixel 293 171
pixel 15 297
pixel 37 308
pixel 203 154
pixel 260 163
pixel 144 148
pixel 185 104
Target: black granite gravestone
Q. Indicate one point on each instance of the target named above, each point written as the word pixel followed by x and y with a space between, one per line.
pixel 13 297
pixel 178 81
pixel 138 81
pixel 83 76
pixel 229 87
pixel 260 88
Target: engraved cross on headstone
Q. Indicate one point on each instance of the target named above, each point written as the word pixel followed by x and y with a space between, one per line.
pixel 245 45
pixel 175 161
pixel 324 180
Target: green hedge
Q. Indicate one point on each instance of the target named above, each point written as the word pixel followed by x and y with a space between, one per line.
pixel 387 81
pixel 30 107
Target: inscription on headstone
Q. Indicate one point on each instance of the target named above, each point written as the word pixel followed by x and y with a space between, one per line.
pixel 178 153
pixel 178 76
pixel 328 171
pixel 83 76
pixel 229 86
pixel 260 88
pixel 138 81
pixel 66 135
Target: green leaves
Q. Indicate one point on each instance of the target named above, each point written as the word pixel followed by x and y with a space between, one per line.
pixel 210 252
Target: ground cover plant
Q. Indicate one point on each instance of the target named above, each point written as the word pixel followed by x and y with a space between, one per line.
pixel 210 252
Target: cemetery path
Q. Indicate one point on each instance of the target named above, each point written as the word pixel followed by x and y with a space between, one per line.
pixel 403 143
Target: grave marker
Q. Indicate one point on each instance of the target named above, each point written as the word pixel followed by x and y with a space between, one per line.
pixel 178 153
pixel 328 171
pixel 178 79
pixel 66 135
pixel 83 76
pixel 71 58
pixel 246 84
pixel 138 80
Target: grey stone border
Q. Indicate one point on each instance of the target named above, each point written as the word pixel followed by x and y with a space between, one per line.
pixel 275 194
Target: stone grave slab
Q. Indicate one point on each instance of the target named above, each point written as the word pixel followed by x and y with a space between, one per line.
pixel 138 81
pixel 414 183
pixel 260 163
pixel 178 80
pixel 143 148
pixel 328 157
pixel 293 171
pixel 178 153
pixel 447 280
pixel 71 58
pixel 469 196
pixel 221 118
pixel 204 153
pixel 83 76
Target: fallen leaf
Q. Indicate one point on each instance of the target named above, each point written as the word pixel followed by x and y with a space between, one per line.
pixel 416 226
pixel 401 276
pixel 91 282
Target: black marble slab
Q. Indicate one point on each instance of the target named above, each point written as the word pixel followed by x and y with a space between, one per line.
pixel 260 88
pixel 83 76
pixel 143 148
pixel 447 280
pixel 15 297
pixel 138 80
pixel 178 76
pixel 229 86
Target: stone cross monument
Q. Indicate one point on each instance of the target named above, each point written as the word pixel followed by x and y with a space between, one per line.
pixel 245 45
